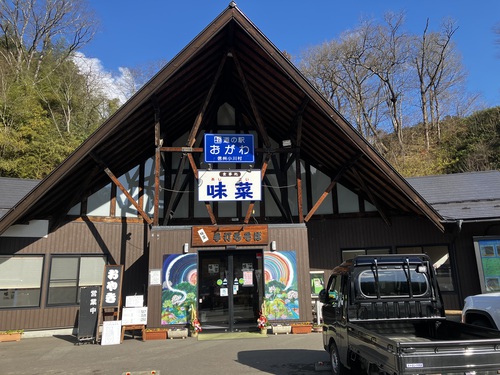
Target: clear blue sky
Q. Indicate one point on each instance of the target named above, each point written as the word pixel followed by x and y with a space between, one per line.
pixel 137 32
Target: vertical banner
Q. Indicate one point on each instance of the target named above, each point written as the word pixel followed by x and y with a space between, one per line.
pixel 281 290
pixel 112 286
pixel 89 311
pixel 179 287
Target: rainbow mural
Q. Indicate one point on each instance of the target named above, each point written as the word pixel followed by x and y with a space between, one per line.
pixel 179 287
pixel 281 291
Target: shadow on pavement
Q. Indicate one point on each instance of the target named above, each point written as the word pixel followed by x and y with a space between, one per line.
pixel 283 361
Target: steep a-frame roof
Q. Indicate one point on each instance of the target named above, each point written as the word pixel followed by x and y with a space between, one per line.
pixel 229 61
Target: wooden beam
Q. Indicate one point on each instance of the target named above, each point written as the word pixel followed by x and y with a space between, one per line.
pixel 207 204
pixel 252 203
pixel 199 118
pixel 260 125
pixel 299 187
pixel 121 187
pixel 372 197
pixel 337 177
pixel 158 144
pixel 192 138
pixel 76 197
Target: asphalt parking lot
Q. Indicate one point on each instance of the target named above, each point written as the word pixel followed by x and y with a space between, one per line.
pixel 274 354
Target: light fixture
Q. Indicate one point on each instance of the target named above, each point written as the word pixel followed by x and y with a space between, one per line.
pixel 185 248
pixel 287 143
pixel 273 246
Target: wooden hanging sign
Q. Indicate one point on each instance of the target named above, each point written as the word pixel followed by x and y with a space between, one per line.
pixel 224 235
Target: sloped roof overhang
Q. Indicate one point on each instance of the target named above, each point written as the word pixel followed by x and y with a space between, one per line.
pixel 278 94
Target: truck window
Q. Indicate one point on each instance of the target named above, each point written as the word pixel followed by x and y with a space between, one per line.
pixel 392 282
pixel 335 288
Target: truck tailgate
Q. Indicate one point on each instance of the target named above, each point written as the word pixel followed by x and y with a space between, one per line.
pixel 405 353
pixel 433 357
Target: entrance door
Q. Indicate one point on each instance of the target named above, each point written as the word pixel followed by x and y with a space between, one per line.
pixel 230 289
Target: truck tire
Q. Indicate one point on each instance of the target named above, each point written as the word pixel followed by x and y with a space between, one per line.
pixel 337 367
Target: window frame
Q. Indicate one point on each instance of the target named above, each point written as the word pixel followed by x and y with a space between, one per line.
pixel 13 291
pixel 77 278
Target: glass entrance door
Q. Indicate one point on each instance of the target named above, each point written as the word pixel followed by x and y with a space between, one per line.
pixel 230 289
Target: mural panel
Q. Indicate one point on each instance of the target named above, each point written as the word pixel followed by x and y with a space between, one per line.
pixel 281 290
pixel 179 287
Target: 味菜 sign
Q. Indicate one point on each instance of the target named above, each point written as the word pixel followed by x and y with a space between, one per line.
pixel 230 185
pixel 229 148
pixel 224 235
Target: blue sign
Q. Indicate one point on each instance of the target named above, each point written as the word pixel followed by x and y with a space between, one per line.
pixel 229 148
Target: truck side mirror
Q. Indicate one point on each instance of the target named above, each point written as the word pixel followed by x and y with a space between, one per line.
pixel 328 297
pixel 323 296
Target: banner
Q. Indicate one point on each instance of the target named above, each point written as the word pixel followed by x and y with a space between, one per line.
pixel 229 185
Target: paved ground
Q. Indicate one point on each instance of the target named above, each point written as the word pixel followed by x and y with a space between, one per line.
pixel 274 354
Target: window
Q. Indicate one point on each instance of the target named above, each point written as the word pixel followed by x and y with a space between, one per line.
pixel 20 281
pixel 69 273
pixel 393 282
pixel 440 259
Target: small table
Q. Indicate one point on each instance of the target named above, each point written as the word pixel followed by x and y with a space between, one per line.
pixel 132 327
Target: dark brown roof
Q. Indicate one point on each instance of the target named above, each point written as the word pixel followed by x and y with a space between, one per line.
pixel 258 80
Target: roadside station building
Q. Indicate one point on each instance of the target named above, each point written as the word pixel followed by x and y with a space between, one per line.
pixel 227 185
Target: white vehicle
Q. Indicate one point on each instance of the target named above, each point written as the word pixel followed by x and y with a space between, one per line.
pixel 482 310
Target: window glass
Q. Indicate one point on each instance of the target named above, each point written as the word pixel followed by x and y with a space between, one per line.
pixel 20 281
pixel 91 270
pixel 348 201
pixel 319 182
pixel 130 182
pixel 98 204
pixel 149 188
pixel 393 282
pixel 440 259
pixel 441 263
pixel 63 285
pixel 69 273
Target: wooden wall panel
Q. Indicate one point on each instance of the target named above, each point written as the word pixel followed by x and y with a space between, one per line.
pixel 328 238
pixel 169 240
pixel 123 243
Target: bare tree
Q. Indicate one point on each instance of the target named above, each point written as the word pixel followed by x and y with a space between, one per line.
pixel 336 69
pixel 389 56
pixel 32 29
pixel 435 62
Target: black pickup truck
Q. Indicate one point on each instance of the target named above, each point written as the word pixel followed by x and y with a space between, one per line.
pixel 385 315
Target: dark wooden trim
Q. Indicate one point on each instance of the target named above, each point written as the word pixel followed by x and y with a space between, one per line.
pixel 121 187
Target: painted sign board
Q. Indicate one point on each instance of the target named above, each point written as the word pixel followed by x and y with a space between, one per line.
pixel 224 235
pixel 229 185
pixel 112 286
pixel 229 148
pixel 89 311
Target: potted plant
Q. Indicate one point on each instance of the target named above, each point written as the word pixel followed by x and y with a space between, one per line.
pixel 11 335
pixel 317 328
pixel 262 323
pixel 154 334
pixel 301 327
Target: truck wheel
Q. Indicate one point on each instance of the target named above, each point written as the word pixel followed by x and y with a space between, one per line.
pixel 337 367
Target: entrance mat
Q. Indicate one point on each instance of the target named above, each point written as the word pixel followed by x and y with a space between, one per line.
pixel 230 336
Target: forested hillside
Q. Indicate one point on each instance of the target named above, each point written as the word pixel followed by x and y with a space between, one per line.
pixel 468 144
pixel 404 93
